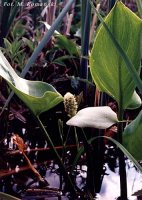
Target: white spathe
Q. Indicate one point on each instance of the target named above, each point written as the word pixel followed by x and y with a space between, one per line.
pixel 94 117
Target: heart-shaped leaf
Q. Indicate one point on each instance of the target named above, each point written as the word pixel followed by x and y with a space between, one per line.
pixel 108 69
pixel 132 137
pixel 95 117
pixel 38 96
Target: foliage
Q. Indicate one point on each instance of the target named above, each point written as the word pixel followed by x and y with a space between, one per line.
pixel 110 72
pixel 15 52
pixel 132 137
pixel 115 67
pixel 38 96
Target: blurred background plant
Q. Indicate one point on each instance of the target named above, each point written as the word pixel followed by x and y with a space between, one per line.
pixel 62 62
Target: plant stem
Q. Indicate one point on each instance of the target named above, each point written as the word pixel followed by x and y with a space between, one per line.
pixel 60 163
pixel 98 149
pixel 76 139
pixel 32 167
pixel 139 5
pixel 85 32
pixel 122 169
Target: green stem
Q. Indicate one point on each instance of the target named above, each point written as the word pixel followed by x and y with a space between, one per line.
pixel 122 167
pixel 60 163
pixel 139 5
pixel 85 31
pixel 76 139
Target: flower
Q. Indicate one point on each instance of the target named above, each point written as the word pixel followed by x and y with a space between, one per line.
pixel 70 104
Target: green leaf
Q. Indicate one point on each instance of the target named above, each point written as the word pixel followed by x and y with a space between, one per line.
pixel 64 42
pixel 61 60
pixel 126 152
pixel 96 117
pixel 7 44
pixel 132 137
pixel 120 146
pixel 67 44
pixel 133 72
pixel 18 30
pixel 108 69
pixel 29 43
pixel 135 101
pixel 43 43
pixel 4 196
pixel 38 96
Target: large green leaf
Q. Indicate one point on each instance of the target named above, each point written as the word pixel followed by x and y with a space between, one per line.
pixel 95 117
pixel 126 152
pixel 132 137
pixel 120 146
pixel 108 69
pixel 37 95
pixel 43 43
